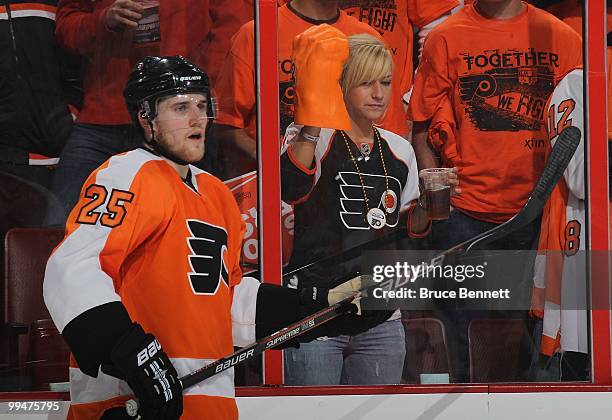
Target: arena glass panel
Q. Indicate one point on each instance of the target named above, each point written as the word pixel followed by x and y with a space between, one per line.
pixel 516 333
pixel 68 68
pixel 599 209
pixel 236 134
pixel 597 65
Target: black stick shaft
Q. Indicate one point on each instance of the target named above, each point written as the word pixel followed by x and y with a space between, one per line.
pixel 274 340
pixel 557 162
pixel 247 353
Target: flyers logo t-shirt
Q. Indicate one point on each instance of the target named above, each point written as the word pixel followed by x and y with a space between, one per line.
pixel 497 76
pixel 511 95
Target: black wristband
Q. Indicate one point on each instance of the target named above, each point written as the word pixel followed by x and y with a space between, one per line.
pixel 276 308
pixel 93 334
pixel 314 296
pixel 279 306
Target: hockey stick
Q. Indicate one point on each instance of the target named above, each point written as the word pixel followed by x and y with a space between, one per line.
pixel 257 348
pixel 559 158
pixel 557 162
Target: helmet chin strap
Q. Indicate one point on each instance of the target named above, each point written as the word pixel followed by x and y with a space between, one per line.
pixel 160 150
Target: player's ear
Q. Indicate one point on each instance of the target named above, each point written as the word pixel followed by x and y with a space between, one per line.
pixel 145 124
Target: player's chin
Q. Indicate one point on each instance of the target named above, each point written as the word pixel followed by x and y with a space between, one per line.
pixel 195 155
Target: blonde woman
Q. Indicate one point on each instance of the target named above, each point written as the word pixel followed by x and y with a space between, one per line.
pixel 349 184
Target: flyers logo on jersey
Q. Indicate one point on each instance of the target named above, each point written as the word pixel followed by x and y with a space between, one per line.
pixel 352 206
pixel 208 244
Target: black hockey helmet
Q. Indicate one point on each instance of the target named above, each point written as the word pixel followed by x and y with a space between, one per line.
pixel 156 77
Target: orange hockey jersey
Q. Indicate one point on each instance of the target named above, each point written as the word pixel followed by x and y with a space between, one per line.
pixel 170 253
pixel 559 296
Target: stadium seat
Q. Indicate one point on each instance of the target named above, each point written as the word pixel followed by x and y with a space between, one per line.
pixel 22 204
pixel 48 353
pixel 494 349
pixel 33 344
pixel 426 349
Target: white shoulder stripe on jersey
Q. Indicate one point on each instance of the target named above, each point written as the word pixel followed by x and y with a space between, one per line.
pixel 402 150
pixel 74 280
pixel 28 13
pixel 400 147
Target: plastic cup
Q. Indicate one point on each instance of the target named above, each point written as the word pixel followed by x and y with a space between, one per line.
pixel 437 192
pixel 148 30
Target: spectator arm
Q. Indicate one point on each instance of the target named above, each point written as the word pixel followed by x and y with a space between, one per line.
pixel 79 26
pixel 425 154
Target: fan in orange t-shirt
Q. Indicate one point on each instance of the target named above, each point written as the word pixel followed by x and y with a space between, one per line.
pixel 570 12
pixel 396 22
pixel 497 62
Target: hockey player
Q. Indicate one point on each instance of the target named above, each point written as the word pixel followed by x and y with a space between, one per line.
pixel 146 285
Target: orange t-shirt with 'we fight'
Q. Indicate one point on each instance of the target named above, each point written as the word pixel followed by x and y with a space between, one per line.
pixel 498 75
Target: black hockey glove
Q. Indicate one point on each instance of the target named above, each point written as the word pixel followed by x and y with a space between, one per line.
pixel 139 359
pixel 278 307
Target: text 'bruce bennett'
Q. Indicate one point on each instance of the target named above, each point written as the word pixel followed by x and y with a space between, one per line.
pixel 425 293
